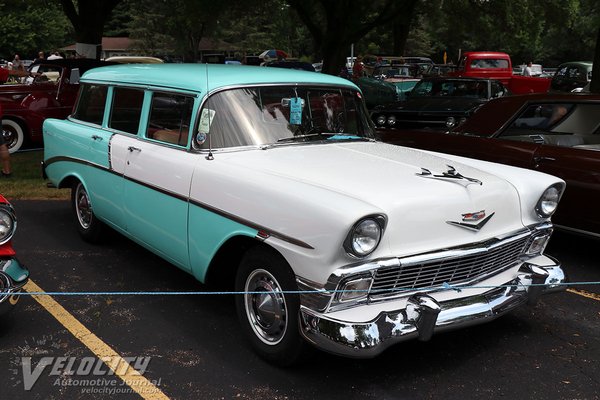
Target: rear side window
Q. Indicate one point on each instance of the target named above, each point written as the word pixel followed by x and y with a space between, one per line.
pixel 91 104
pixel 170 116
pixel 126 110
pixel 489 63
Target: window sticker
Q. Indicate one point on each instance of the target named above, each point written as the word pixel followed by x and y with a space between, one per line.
pixel 206 119
pixel 201 138
pixel 295 111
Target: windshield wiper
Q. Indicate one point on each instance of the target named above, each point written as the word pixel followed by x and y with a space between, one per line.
pixel 303 137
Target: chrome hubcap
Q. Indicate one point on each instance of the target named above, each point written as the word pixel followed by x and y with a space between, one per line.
pixel 265 307
pixel 83 207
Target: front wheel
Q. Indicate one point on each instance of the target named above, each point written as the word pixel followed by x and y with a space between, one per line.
pixel 268 312
pixel 14 137
pixel 89 227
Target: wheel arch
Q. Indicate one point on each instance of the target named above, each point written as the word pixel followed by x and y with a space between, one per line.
pixel 223 266
pixel 69 180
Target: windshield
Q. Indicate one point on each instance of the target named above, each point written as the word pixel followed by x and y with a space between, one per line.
pixel 392 72
pixel 277 114
pixel 452 88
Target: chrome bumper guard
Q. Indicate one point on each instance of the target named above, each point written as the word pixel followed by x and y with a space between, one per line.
pixel 13 276
pixel 423 315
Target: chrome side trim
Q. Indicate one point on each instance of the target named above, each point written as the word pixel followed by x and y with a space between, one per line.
pixel 265 231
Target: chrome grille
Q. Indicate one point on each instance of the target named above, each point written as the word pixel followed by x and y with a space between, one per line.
pixel 482 261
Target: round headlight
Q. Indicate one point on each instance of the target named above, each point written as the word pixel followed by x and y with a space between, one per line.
pixel 450 122
pixel 381 120
pixel 391 120
pixel 547 204
pixel 8 224
pixel 364 237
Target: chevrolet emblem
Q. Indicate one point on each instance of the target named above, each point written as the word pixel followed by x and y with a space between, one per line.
pixel 473 217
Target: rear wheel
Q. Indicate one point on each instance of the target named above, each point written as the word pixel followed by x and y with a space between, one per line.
pixel 268 313
pixel 13 133
pixel 89 227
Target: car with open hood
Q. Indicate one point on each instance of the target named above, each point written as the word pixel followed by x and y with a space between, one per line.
pixel 270 179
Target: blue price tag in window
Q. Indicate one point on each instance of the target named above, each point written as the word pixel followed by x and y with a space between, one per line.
pixel 295 111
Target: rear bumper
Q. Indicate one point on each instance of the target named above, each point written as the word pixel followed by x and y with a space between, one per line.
pixel 13 276
pixel 423 315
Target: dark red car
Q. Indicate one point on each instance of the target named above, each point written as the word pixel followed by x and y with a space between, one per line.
pixel 13 275
pixel 556 133
pixel 49 91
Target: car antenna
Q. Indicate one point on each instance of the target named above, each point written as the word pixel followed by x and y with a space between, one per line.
pixel 209 156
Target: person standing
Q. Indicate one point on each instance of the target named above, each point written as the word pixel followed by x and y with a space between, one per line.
pixel 528 71
pixel 358 69
pixel 17 64
pixel 4 154
pixel 41 57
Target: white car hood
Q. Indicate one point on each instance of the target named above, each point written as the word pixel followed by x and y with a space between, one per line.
pixel 384 178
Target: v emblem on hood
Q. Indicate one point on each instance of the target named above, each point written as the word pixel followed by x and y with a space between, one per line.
pixel 473 227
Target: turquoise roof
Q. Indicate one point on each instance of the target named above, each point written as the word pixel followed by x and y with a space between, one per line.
pixel 194 77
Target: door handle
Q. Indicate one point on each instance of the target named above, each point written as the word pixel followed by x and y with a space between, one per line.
pixel 540 159
pixel 96 137
pixel 132 149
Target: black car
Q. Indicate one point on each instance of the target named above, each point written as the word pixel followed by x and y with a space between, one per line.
pixel 438 103
pixel 572 76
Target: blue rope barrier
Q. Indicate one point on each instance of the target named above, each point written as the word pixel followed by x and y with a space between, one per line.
pixel 445 285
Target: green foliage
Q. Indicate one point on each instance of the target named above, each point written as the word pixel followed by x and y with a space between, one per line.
pixel 26 28
pixel 544 31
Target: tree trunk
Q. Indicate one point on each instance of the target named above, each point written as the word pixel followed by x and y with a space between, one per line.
pixel 334 57
pixel 595 84
pixel 88 19
pixel 335 25
pixel 400 30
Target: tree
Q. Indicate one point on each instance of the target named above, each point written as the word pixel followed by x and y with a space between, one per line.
pixel 88 18
pixel 24 28
pixel 178 25
pixel 336 25
pixel 256 26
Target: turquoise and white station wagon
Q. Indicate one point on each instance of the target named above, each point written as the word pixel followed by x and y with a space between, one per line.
pixel 271 180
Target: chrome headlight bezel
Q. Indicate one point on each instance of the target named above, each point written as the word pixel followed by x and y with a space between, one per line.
pixel 7 213
pixel 450 122
pixel 381 120
pixel 548 202
pixel 373 223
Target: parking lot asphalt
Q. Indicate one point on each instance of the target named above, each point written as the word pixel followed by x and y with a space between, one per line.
pixel 195 350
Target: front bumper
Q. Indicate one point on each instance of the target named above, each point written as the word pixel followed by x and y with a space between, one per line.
pixel 13 276
pixel 423 315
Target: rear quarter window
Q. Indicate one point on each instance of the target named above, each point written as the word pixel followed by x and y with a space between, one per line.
pixel 91 103
pixel 126 109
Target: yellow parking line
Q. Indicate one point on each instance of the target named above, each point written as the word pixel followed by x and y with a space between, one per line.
pixel 136 381
pixel 583 293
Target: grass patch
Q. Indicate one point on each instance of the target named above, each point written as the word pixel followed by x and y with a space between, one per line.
pixel 26 182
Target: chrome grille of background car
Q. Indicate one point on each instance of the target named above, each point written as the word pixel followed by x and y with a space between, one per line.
pixel 397 280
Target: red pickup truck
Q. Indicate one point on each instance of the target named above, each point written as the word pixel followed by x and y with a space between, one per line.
pixel 496 65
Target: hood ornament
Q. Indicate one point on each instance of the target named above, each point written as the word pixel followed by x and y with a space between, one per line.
pixel 450 174
pixel 473 217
